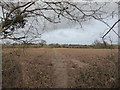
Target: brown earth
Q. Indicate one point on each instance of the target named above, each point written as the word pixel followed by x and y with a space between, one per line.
pixel 59 68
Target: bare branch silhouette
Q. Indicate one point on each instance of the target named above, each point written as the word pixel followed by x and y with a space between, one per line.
pixel 16 16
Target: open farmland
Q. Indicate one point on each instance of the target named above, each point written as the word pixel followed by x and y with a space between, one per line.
pixel 59 68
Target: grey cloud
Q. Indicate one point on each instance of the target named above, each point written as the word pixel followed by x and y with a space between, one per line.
pixel 92 32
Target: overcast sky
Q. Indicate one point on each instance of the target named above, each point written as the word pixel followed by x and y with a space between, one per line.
pixel 70 33
pixel 91 31
pixel 75 35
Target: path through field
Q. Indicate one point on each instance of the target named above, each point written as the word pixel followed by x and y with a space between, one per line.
pixel 60 66
pixel 60 70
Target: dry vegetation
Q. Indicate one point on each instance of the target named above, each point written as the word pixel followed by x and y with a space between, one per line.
pixel 92 68
pixel 35 67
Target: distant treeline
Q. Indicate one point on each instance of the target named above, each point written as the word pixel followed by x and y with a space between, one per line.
pixel 41 45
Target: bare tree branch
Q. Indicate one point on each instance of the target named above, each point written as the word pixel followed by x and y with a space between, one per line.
pixel 111 28
pixel 15 17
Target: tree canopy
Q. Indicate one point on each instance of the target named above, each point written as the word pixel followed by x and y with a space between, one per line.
pixel 19 20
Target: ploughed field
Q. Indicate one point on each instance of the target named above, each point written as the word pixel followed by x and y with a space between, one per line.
pixel 59 68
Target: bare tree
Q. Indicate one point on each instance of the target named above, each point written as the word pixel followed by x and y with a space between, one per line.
pixel 19 20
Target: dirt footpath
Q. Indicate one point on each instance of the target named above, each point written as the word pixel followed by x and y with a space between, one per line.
pixel 60 70
pixel 60 67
